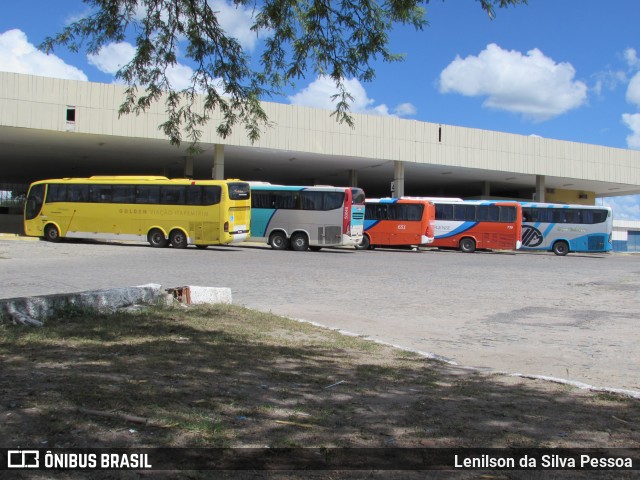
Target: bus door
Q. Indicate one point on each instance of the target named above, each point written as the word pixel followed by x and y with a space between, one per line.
pixel 58 197
pixel 240 210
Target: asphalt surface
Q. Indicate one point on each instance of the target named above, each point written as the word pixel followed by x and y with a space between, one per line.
pixel 573 317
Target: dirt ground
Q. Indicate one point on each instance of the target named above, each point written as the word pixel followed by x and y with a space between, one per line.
pixel 231 377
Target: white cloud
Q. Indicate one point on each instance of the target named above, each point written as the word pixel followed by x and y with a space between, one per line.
pixel 633 90
pixel 631 57
pixel 632 120
pixel 405 110
pixel 625 207
pixel 19 56
pixel 111 58
pixel 237 22
pixel 532 84
pixel 234 19
pixel 319 92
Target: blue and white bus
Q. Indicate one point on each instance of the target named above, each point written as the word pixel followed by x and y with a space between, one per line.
pixel 301 218
pixel 566 228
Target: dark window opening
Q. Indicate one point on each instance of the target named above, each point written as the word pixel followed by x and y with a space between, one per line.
pixel 71 114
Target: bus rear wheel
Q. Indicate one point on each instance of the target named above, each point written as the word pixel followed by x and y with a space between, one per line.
pixel 299 242
pixel 156 238
pixel 467 245
pixel 278 241
pixel 51 233
pixel 561 248
pixel 178 239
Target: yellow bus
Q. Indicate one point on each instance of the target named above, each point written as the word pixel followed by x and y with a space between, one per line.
pixel 158 210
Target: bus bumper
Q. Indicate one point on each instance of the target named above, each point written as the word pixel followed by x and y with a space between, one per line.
pixel 424 240
pixel 239 237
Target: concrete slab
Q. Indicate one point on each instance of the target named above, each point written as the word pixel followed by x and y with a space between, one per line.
pixel 37 309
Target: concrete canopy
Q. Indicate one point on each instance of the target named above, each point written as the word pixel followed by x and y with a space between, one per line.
pixel 305 146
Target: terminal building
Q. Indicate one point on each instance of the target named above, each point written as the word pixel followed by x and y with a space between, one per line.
pixel 53 128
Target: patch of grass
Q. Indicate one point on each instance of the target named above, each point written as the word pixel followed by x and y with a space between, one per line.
pixel 229 376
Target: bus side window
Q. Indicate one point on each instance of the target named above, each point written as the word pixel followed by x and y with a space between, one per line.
pixel 148 194
pixel 123 194
pixel 285 200
pixel 381 212
pixel 332 200
pixel 193 195
pixel 311 200
pixel 600 216
pixel 545 215
pixel 508 214
pixel 413 212
pixel 530 214
pixel 369 212
pixel 100 193
pixel 261 199
pixel 488 213
pixel 56 192
pixel 444 212
pixel 211 195
pixel 465 213
pixel 172 194
pixel 78 193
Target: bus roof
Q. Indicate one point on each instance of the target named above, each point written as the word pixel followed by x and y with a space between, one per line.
pixel 396 200
pixel 436 199
pixel 136 179
pixel 318 188
pixel 562 205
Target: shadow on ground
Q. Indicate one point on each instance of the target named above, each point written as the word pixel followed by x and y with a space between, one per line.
pixel 230 377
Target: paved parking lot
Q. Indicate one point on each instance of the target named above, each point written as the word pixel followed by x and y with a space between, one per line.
pixel 573 317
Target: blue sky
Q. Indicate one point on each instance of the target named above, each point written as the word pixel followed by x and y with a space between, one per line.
pixel 562 69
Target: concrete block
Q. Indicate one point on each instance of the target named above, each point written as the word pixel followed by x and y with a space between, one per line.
pixel 194 295
pixel 39 308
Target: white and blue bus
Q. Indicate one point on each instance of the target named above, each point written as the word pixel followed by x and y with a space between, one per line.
pixel 566 228
pixel 301 218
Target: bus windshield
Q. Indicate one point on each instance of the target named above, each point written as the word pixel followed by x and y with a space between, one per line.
pixel 358 196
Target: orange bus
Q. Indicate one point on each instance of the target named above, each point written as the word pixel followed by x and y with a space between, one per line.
pixel 472 225
pixel 396 222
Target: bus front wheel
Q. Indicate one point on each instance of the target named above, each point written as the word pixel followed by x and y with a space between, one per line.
pixel 178 239
pixel 467 245
pixel 561 248
pixel 299 242
pixel 365 244
pixel 278 241
pixel 156 238
pixel 51 233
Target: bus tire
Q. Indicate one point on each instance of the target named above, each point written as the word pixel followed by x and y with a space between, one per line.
pixel 365 244
pixel 278 241
pixel 156 238
pixel 299 242
pixel 51 233
pixel 178 239
pixel 560 248
pixel 467 245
